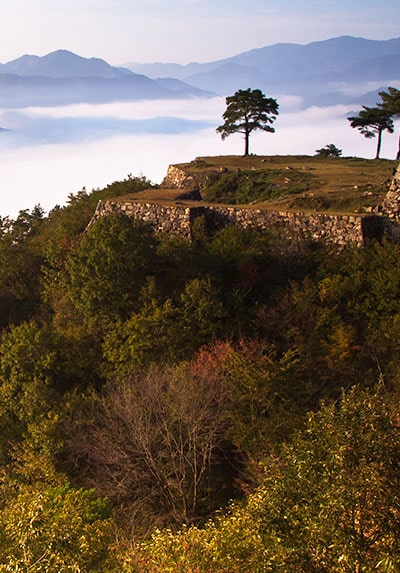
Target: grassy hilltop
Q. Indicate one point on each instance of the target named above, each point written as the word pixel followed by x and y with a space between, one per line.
pixel 287 182
pixel 294 182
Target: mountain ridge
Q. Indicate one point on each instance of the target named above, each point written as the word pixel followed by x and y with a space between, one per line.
pixel 309 70
pixel 61 64
pixel 319 73
pixel 342 46
pixel 62 77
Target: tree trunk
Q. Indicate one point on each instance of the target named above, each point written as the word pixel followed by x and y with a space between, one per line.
pixel 398 151
pixel 246 143
pixel 379 144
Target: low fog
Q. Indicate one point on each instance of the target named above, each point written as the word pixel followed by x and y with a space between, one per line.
pixel 48 153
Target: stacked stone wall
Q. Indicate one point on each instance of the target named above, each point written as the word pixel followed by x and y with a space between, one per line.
pixel 391 204
pixel 167 218
pixel 339 229
pixel 178 218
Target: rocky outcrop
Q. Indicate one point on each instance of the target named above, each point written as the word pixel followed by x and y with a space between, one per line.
pixel 177 178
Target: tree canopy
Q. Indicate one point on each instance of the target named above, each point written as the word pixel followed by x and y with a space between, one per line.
pixel 247 111
pixel 328 503
pixel 147 381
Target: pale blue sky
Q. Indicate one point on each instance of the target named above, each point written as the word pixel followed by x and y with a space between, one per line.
pixel 182 31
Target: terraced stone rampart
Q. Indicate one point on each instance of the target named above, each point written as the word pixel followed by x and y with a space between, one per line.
pixel 178 216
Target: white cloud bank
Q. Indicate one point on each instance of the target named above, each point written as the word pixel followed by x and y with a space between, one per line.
pixel 54 152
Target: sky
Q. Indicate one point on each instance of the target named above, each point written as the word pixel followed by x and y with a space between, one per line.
pixel 182 31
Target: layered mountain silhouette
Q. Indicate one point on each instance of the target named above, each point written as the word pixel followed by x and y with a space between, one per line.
pixel 321 72
pixel 338 70
pixel 63 64
pixel 62 78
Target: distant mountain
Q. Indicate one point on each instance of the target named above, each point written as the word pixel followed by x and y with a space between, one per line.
pixel 338 70
pixel 317 71
pixel 62 78
pixel 382 68
pixel 333 55
pixel 21 91
pixel 178 71
pixel 183 88
pixel 226 77
pixel 63 64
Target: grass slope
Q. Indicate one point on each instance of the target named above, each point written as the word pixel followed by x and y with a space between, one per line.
pixel 287 182
pixel 294 182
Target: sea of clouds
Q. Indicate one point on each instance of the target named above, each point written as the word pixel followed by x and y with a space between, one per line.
pixel 49 153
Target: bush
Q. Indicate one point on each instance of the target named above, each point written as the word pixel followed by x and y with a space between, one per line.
pixel 329 151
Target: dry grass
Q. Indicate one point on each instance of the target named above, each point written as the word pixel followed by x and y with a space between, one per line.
pixel 294 182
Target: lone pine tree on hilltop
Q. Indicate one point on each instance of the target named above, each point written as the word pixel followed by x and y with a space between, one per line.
pixel 391 104
pixel 372 121
pixel 248 110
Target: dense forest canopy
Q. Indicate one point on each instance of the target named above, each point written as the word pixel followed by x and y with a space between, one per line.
pixel 243 386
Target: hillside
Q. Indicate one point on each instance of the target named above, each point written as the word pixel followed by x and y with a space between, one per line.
pixel 225 404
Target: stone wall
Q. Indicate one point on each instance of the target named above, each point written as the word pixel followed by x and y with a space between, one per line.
pixel 339 229
pixel 167 218
pixel 178 218
pixel 391 204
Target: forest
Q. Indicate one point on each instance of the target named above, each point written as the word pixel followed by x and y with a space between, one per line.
pixel 229 404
